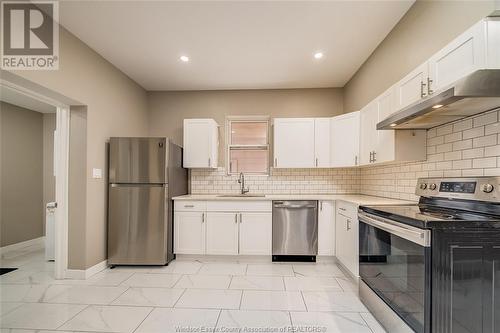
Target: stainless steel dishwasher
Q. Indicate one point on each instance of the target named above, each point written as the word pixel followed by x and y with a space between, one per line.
pixel 295 230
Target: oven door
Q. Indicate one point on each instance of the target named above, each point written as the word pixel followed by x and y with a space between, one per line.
pixel 394 261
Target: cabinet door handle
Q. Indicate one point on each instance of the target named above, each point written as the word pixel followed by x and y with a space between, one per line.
pixel 316 161
pixel 275 162
pixel 209 162
pixel 188 206
pixel 348 225
pixel 374 156
pixel 236 218
pixel 342 209
pixel 356 160
pixel 429 90
pixel 371 157
pixel 321 206
pixel 202 217
pixel 241 218
pixel 422 89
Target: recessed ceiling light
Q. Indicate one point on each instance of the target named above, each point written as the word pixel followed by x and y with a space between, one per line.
pixel 318 55
pixel 184 58
pixel 437 106
pixel 394 125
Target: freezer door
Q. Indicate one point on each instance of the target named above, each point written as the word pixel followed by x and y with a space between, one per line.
pixel 137 160
pixel 137 224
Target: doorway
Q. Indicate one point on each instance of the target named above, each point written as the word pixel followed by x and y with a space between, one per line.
pixel 34 169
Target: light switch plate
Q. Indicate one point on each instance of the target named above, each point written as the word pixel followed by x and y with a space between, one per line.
pixel 96 173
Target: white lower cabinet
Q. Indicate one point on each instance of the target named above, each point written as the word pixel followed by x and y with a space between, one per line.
pixel 222 233
pixel 255 236
pixel 347 245
pixel 326 228
pixel 189 232
pixel 215 232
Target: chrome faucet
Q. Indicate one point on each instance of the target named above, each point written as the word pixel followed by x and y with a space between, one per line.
pixel 241 180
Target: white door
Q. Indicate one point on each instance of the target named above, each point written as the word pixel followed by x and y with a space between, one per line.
pixel 464 55
pixel 189 231
pixel 199 143
pixel 352 254
pixel 322 142
pixel 412 87
pixel 222 233
pixel 326 228
pixel 256 233
pixel 345 140
pixel 368 133
pixel 341 239
pixel 385 150
pixel 294 143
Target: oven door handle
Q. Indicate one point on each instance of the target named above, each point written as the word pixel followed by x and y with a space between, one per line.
pixel 419 236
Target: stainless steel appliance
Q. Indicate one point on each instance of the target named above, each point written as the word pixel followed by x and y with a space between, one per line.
pixel 144 174
pixel 434 266
pixel 295 230
pixel 478 92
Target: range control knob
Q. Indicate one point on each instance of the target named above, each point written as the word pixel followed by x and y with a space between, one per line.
pixel 423 186
pixel 432 187
pixel 488 188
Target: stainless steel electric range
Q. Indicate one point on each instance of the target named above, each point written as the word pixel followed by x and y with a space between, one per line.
pixel 434 266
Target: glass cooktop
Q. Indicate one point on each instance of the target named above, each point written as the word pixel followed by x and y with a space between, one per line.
pixel 423 215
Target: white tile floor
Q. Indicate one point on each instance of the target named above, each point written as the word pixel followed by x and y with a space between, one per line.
pixel 200 295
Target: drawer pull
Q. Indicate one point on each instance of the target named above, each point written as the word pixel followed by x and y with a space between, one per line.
pixel 188 206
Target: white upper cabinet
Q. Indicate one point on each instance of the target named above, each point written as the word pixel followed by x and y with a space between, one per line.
pixel 493 41
pixel 464 55
pixel 369 133
pixel 201 143
pixel 385 151
pixel 322 142
pixel 294 143
pixel 412 87
pixel 344 140
pixel 477 48
pixel 381 146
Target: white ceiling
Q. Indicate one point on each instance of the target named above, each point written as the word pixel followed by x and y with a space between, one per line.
pixel 14 97
pixel 234 44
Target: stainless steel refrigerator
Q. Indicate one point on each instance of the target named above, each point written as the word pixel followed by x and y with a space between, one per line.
pixel 144 175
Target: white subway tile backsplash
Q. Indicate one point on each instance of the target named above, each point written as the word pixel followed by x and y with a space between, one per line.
pixel 476 152
pixel 485 119
pixel 489 140
pixel 467 148
pixel 473 133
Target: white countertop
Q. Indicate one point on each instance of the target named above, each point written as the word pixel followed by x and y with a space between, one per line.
pixel 362 200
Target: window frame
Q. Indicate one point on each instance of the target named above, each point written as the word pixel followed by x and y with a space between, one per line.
pixel 230 146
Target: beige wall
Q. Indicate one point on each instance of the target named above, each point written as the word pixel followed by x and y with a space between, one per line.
pixel 22 174
pixel 116 106
pixel 425 29
pixel 167 110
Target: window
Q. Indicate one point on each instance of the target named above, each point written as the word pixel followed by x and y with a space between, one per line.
pixel 248 145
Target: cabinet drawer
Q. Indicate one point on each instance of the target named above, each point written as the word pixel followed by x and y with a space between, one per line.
pixel 239 206
pixel 347 209
pixel 185 205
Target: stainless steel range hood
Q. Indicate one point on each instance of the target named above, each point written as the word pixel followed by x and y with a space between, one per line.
pixel 478 92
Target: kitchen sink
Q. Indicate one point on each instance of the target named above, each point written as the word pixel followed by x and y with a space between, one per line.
pixel 241 196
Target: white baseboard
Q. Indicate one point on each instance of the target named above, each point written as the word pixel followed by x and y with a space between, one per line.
pixel 21 245
pixel 83 274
